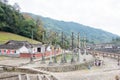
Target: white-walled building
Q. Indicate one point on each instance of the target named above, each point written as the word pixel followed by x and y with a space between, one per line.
pixel 13 47
pixel 16 48
pixel 25 50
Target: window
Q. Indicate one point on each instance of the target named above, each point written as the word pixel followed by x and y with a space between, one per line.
pixel 4 51
pixel 15 51
pixel 38 49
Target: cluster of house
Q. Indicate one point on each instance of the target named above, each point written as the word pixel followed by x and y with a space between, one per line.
pixel 107 47
pixel 25 49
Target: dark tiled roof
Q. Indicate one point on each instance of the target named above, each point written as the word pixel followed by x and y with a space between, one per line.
pixel 36 45
pixel 12 44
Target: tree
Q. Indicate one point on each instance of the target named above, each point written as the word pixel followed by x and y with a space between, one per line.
pixel 4 1
pixel 11 20
pixel 16 7
pixel 40 30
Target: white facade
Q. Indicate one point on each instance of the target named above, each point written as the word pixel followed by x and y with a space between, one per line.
pixel 43 49
pixel 108 46
pixel 23 49
pixel 49 48
pixel 34 50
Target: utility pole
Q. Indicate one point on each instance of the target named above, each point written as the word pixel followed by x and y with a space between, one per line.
pixel 31 48
pixel 64 54
pixel 79 51
pixel 62 48
pixel 55 47
pixel 84 48
pixel 43 36
pixel 82 44
pixel 72 60
pixel 51 49
pixel 63 57
pixel 43 57
pixel 32 36
pixel 84 39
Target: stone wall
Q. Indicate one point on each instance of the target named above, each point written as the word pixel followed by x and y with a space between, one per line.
pixel 66 68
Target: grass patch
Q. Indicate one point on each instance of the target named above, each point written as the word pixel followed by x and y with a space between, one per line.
pixel 68 57
pixel 5 36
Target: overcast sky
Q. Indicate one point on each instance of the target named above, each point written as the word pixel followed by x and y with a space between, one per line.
pixel 102 14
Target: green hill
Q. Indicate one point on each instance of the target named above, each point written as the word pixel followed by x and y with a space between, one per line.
pixel 11 20
pixel 93 34
pixel 5 36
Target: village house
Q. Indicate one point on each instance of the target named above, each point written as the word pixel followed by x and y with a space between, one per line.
pixel 24 49
pixel 108 47
pixel 104 46
pixel 14 48
pixel 18 48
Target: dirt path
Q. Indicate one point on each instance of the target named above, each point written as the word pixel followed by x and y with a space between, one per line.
pixel 105 72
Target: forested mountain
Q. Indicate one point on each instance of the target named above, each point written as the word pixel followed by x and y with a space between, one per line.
pixel 12 20
pixel 92 34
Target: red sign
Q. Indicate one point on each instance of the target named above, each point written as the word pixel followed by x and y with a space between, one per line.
pixel 8 51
